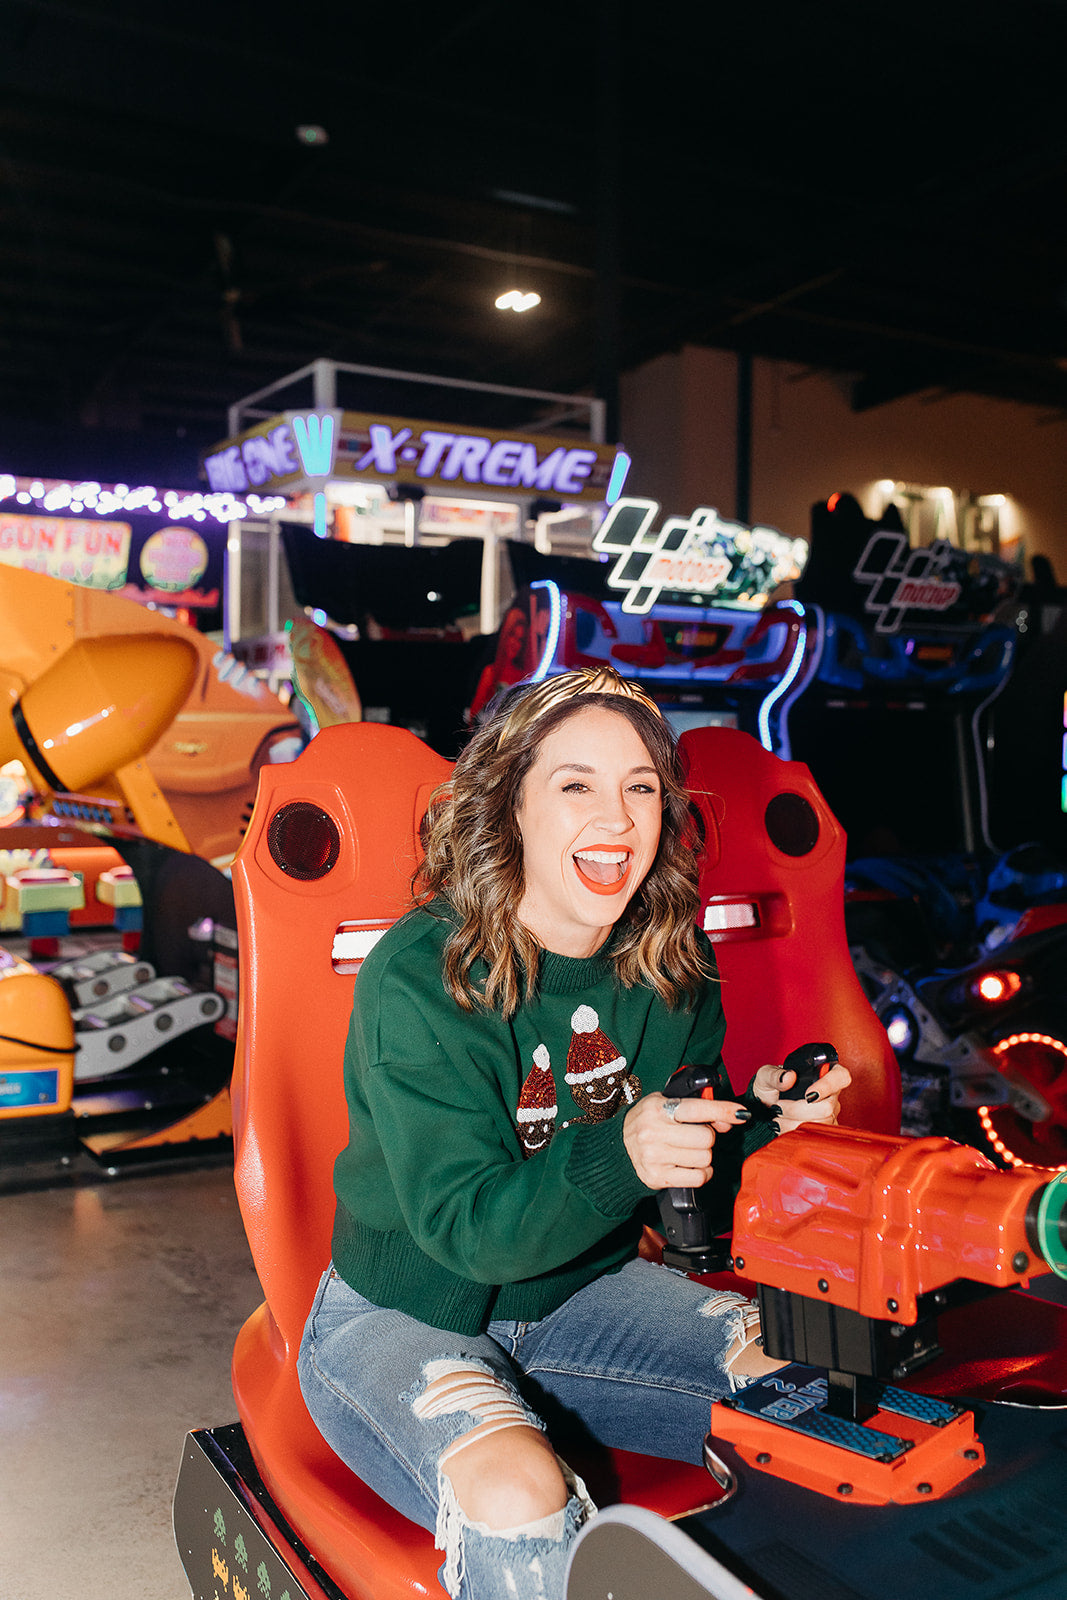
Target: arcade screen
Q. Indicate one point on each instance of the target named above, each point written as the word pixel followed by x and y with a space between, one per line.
pixel 577 573
pixel 428 587
pixel 682 718
pixel 891 776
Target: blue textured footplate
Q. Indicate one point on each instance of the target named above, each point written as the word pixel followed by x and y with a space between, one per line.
pixel 799 1408
pixel 919 1407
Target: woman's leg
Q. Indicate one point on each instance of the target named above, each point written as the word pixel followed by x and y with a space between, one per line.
pixel 434 1423
pixel 638 1356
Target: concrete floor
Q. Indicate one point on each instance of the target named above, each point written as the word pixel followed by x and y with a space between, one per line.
pixel 119 1304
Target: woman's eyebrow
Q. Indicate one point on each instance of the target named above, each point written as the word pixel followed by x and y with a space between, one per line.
pixel 581 766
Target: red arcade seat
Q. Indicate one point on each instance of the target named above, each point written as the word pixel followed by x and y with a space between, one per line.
pixel 772 903
pixel 325 867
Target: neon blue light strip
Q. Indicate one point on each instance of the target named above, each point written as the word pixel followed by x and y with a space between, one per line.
pixel 314 440
pixel 321 531
pixel 619 468
pixel 554 622
pixel 763 721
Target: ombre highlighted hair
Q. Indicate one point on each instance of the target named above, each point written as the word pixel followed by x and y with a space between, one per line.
pixel 474 855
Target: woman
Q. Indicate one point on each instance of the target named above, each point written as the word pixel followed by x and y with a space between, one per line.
pixel 510 1041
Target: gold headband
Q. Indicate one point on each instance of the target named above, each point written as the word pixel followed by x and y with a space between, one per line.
pixel 569 686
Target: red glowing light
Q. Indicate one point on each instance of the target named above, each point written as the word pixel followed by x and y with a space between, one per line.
pixel 995 987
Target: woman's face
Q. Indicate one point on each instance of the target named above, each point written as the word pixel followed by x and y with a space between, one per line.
pixel 590 822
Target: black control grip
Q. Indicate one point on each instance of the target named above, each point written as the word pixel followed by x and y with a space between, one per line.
pixel 682 1218
pixel 810 1062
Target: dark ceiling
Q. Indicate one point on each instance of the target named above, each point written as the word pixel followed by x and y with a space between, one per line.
pixel 868 187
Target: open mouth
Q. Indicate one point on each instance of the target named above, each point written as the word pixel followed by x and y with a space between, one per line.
pixel 603 871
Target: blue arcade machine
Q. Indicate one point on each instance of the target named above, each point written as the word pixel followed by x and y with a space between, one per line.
pixel 699 611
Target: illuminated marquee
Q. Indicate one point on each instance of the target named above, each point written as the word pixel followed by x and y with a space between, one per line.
pixel 726 563
pixel 298 448
pixel 917 583
pixel 95 554
pixel 300 444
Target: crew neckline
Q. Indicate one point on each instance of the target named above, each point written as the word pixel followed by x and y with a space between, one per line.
pixel 558 974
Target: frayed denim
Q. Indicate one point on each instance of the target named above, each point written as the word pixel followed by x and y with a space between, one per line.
pixel 632 1361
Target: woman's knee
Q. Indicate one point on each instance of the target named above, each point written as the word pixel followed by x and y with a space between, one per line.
pixel 509 1482
pixel 502 1470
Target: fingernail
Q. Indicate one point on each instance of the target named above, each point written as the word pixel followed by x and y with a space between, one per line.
pixel 776 1111
pixel 812 1094
pixel 742 1115
pixel 783 1075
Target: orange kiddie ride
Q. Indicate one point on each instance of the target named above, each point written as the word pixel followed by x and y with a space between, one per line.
pixel 322 871
pixel 138 727
pixel 131 718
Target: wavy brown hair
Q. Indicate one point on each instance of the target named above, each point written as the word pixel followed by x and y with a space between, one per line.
pixel 474 862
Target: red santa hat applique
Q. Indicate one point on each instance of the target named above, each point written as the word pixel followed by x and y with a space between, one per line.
pixel 592 1054
pixel 537 1108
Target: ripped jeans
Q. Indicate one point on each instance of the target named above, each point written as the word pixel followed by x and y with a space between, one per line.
pixel 633 1361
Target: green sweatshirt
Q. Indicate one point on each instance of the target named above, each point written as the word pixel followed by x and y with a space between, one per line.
pixel 485 1174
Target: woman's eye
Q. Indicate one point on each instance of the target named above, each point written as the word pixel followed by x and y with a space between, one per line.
pixel 644 788
pixel 574 788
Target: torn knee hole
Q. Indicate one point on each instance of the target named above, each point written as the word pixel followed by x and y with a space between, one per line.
pixel 464 1389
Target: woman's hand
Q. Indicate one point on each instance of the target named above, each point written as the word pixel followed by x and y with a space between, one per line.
pixel 821 1103
pixel 670 1141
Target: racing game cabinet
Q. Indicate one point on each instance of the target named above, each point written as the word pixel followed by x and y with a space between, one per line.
pixel 263 1506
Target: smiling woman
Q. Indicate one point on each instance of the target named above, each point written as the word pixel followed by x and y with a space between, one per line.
pixel 590 825
pixel 511 1039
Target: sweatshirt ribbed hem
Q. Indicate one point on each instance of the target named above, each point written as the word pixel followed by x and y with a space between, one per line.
pixel 389 1269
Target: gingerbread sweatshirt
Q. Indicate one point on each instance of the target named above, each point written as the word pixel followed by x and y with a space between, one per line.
pixel 485 1174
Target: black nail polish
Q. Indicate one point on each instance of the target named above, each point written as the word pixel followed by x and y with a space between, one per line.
pixel 776 1111
pixel 812 1094
pixel 742 1115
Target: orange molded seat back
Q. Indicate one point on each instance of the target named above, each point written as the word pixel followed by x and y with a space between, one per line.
pixel 373 783
pixel 363 789
pixel 772 897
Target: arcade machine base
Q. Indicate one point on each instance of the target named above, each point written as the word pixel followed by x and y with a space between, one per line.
pixel 228 1529
pixel 995 1535
pixel 999 1534
pixel 171 1104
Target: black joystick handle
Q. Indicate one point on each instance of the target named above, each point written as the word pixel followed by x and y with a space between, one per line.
pixel 690 1244
pixel 810 1062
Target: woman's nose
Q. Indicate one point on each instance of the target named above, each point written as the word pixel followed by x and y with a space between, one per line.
pixel 614 812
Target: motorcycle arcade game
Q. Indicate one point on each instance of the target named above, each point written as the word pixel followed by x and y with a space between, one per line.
pixel 929 724
pixel 697 610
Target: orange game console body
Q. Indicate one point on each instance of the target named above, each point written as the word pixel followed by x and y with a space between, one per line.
pixel 205 725
pixel 869 1222
pixel 858 1241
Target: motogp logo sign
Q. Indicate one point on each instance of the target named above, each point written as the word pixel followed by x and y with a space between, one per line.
pixel 727 561
pixel 898 585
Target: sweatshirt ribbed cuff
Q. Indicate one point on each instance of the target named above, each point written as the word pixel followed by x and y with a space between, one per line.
pixel 600 1168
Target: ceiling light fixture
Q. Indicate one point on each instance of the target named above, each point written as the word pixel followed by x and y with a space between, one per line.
pixel 516 300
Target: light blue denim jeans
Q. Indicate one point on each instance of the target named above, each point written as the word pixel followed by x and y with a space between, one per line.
pixel 633 1361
